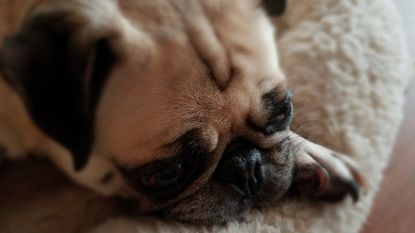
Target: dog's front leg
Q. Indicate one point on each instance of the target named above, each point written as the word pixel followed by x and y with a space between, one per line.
pixel 99 174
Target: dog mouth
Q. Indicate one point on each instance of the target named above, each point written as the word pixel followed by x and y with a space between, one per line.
pixel 232 192
pixel 247 176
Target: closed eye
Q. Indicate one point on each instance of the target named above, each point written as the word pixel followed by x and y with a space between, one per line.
pixel 166 178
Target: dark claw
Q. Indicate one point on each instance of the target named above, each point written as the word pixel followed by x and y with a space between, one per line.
pixel 354 190
pixel 311 181
pixel 339 190
pixel 315 181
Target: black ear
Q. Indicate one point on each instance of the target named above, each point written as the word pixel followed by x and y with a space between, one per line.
pixel 275 7
pixel 59 80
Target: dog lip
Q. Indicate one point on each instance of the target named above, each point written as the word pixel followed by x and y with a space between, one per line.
pixel 257 179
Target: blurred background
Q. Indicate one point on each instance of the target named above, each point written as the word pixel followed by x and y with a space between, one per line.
pixel 394 208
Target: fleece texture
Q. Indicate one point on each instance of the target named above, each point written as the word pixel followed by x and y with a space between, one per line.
pixel 348 65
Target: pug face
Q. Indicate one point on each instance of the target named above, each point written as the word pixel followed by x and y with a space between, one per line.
pixel 205 113
pixel 185 98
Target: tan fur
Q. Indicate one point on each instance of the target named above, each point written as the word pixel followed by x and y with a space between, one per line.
pixel 184 77
pixel 183 65
pixel 151 55
pixel 173 92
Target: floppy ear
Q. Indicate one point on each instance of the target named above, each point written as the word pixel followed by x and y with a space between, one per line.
pixel 60 81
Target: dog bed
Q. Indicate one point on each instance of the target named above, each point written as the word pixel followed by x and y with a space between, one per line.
pixel 348 65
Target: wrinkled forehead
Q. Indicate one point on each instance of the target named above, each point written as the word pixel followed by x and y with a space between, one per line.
pixel 228 36
pixel 203 62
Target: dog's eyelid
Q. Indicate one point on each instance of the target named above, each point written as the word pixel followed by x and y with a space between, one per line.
pixel 188 155
pixel 190 139
pixel 188 144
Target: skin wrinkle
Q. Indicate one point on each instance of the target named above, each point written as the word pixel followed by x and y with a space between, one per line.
pixel 207 45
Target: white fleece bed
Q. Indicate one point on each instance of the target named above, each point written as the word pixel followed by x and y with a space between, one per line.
pixel 348 64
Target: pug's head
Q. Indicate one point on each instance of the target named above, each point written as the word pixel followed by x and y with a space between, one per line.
pixel 186 98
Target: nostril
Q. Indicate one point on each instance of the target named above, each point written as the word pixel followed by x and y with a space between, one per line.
pixel 256 177
pixel 259 173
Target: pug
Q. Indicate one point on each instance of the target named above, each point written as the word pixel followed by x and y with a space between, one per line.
pixel 180 107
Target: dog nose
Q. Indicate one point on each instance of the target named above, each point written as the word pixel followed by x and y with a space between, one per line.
pixel 241 168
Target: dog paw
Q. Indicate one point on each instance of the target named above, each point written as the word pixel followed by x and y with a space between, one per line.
pixel 323 174
pixel 101 176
